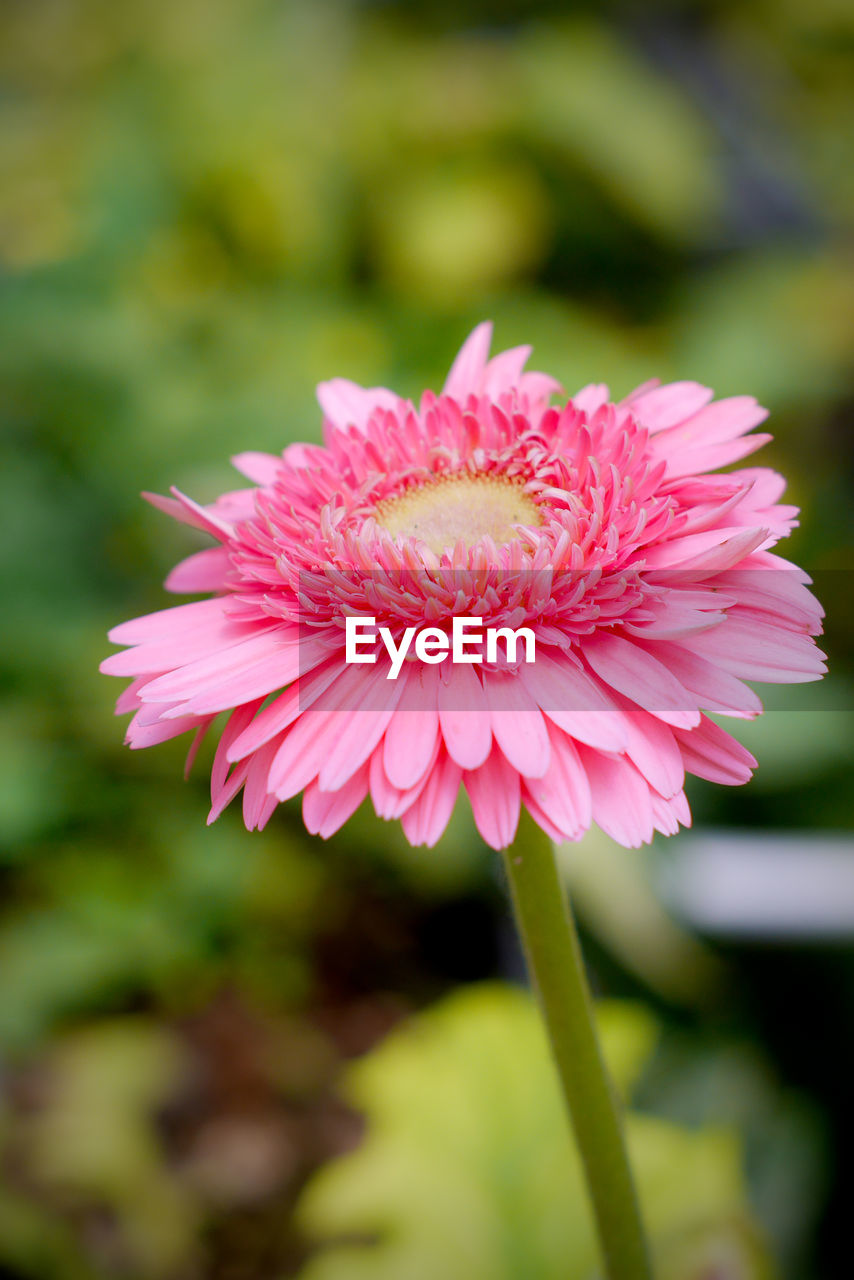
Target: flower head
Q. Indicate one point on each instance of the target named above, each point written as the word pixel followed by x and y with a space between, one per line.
pixel 646 576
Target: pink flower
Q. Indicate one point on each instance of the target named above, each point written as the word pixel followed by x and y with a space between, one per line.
pixel 646 576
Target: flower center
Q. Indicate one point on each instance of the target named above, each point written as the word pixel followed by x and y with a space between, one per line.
pixel 459 507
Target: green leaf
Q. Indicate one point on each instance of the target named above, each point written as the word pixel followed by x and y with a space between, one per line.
pixel 468 1169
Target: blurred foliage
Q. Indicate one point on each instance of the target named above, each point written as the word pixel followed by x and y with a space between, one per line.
pixel 466 1170
pixel 207 206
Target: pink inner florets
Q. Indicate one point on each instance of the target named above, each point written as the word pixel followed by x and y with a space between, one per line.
pixel 315 551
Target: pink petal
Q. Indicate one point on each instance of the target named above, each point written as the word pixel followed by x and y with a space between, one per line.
pixel 721 421
pixel 464 716
pixel 154 714
pixel 141 735
pixel 653 749
pixel 411 736
pixel 634 672
pixel 266 812
pixel 714 689
pixel 663 407
pixel 301 455
pixel 128 699
pixel 347 404
pixel 165 655
pixel 752 651
pixel 184 509
pixel 504 371
pixel 249 669
pixel 621 799
pixel 680 613
pixel 236 723
pixel 234 506
pixel 770 560
pixel 226 794
pixel 425 821
pixel 574 702
pixel 390 801
pixel 711 753
pixel 691 462
pixel 716 549
pixel 766 486
pixel 563 793
pixel 204 571
pixel 301 753
pixel 201 734
pixel 536 389
pixel 669 814
pixel 640 390
pixel 778 593
pixel 517 723
pixel 360 729
pixel 256 797
pixel 554 833
pixel 285 709
pixel 324 812
pixel 591 397
pixel 713 502
pixel 175 621
pixel 262 468
pixel 495 794
pixel 466 375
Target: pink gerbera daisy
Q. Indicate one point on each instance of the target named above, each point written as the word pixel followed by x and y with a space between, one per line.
pixel 647 578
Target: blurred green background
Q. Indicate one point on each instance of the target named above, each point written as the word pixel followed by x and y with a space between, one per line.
pixel 206 207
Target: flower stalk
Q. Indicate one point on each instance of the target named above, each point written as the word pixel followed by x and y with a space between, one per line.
pixel 555 963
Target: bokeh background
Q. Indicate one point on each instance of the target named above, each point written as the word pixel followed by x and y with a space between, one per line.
pixel 206 207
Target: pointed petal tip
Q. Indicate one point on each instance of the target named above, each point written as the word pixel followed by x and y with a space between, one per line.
pixel 259 467
pixel 467 371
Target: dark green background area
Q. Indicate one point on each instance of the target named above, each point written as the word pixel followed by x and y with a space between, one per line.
pixel 206 207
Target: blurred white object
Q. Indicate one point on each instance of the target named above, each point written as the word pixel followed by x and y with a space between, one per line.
pixel 773 885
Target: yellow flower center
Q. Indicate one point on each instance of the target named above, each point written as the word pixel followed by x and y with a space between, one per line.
pixel 459 507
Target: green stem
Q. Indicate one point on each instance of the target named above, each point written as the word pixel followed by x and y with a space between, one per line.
pixel 557 970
